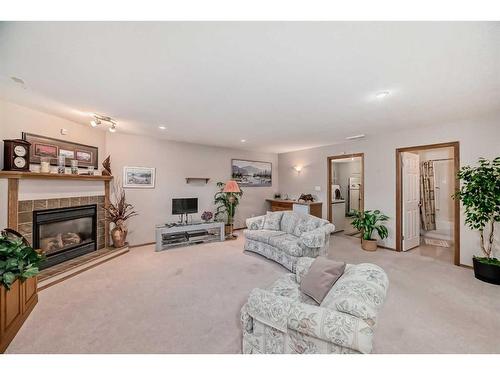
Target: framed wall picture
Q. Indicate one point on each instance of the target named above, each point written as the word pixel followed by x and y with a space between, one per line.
pixel 252 173
pixel 42 146
pixel 139 177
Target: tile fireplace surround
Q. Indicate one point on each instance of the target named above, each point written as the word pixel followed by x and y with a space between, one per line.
pixel 25 210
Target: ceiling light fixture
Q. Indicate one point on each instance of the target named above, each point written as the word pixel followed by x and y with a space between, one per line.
pixel 99 119
pixel 352 137
pixel 243 140
pixel 18 80
pixel 382 94
pixel 162 127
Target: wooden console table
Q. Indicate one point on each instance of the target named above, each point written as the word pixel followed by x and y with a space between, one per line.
pixel 311 208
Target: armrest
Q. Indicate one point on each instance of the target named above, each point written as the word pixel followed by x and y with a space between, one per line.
pixel 254 223
pixel 317 237
pixel 322 323
pixel 301 268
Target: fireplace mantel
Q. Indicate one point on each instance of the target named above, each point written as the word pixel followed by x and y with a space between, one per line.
pixel 13 191
pixel 52 176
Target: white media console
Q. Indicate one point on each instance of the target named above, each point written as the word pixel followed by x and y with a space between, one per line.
pixel 179 234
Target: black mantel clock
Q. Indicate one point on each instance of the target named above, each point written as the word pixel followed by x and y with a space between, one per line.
pixel 16 155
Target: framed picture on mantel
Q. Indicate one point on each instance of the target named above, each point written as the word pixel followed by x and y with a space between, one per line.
pixel 42 146
pixel 252 173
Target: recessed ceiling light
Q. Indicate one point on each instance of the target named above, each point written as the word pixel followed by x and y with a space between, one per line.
pixel 112 128
pixel 382 94
pixel 18 80
pixel 243 140
pixel 162 127
pixel 358 136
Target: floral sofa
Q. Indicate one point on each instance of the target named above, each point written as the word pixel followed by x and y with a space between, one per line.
pixel 281 319
pixel 286 236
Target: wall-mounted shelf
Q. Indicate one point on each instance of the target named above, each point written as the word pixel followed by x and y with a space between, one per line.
pixel 189 179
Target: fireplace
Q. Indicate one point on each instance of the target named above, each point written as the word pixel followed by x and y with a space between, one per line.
pixel 65 233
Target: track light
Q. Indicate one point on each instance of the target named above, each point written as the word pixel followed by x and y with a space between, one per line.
pixel 99 119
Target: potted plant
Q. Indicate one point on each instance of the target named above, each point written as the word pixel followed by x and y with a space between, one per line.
pixel 118 212
pixel 19 265
pixel 480 196
pixel 367 222
pixel 225 206
pixel 18 260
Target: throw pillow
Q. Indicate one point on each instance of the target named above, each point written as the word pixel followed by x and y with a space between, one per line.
pixel 272 220
pixel 322 274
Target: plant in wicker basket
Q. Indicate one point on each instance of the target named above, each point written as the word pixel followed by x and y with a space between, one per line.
pixel 118 212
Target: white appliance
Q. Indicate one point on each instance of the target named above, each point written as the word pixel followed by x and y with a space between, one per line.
pixel 338 215
pixel 353 194
pixel 336 193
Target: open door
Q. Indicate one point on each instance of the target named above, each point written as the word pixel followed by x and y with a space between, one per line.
pixel 411 200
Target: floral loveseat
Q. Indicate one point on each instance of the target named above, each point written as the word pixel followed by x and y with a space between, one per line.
pixel 286 236
pixel 281 319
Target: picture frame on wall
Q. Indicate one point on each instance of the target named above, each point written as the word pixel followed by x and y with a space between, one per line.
pixel 42 146
pixel 251 173
pixel 139 177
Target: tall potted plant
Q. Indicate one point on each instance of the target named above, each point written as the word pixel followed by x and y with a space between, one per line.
pixel 368 222
pixel 118 212
pixel 225 206
pixel 480 196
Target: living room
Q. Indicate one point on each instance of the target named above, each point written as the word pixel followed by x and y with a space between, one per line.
pixel 189 188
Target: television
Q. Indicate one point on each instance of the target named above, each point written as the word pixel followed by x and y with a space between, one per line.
pixel 182 206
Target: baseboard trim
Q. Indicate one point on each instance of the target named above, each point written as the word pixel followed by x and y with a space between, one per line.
pixel 142 244
pixel 466 266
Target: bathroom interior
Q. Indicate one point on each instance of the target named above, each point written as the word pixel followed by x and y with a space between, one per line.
pixel 437 208
pixel 347 193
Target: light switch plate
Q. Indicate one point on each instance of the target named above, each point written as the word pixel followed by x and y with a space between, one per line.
pixel 317 188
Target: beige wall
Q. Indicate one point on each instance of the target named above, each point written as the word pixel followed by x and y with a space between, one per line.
pixel 15 119
pixel 477 138
pixel 174 161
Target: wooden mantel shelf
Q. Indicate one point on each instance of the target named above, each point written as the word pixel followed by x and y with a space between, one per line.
pixel 52 176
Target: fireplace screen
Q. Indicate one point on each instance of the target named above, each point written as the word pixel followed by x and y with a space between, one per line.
pixel 55 237
pixel 65 233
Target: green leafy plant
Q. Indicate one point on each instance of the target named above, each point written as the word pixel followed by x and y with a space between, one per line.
pixel 224 209
pixel 18 260
pixel 480 196
pixel 369 221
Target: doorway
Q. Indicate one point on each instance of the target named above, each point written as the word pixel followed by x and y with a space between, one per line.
pixel 345 190
pixel 427 217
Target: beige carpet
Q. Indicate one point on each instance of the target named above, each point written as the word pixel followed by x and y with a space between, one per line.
pixel 188 301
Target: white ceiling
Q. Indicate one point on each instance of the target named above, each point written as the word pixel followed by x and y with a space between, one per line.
pixel 281 86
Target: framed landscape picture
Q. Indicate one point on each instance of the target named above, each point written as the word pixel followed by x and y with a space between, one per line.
pixel 138 177
pixel 42 146
pixel 252 173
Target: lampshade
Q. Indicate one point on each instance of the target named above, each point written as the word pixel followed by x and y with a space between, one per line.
pixel 231 187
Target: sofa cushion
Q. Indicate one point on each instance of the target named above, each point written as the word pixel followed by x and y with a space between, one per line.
pixel 287 243
pixel 306 224
pixel 262 235
pixel 286 286
pixel 272 220
pixel 289 221
pixel 320 278
pixel 359 292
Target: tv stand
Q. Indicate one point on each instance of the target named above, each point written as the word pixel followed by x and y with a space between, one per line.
pixel 180 234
